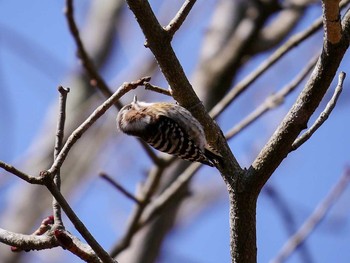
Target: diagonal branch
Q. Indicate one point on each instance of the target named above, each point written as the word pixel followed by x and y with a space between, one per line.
pixel 127 86
pixel 180 17
pixel 95 79
pixel 314 219
pixel 279 145
pixel 272 101
pixel 120 188
pixel 28 178
pixel 323 116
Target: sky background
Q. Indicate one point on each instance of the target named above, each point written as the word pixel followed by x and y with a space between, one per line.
pixel 36 55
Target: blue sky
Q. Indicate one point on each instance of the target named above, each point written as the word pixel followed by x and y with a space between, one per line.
pixel 36 55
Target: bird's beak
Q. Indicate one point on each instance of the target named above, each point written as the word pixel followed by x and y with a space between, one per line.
pixel 135 99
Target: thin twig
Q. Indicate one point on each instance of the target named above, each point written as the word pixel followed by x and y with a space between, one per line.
pixel 148 190
pixel 78 224
pixel 28 178
pixel 180 17
pixel 127 86
pixel 168 194
pixel 277 55
pixel 95 79
pixel 323 116
pixel 58 146
pixel 315 218
pixel 272 101
pixel 119 187
pixel 149 86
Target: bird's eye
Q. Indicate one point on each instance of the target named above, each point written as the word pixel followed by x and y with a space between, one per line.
pixel 128 107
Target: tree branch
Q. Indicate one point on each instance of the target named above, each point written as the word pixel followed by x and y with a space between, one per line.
pixel 323 116
pixel 72 139
pixel 272 101
pixel 296 120
pixel 78 224
pixel 314 219
pixel 58 146
pixel 120 188
pixel 28 178
pixel 95 79
pixel 180 17
pixel 332 22
pixel 27 242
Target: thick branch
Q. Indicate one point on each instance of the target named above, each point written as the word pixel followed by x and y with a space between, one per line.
pixel 158 41
pixel 27 242
pixel 332 23
pixel 296 120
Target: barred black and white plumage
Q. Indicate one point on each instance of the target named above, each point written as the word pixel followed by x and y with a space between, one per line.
pixel 169 128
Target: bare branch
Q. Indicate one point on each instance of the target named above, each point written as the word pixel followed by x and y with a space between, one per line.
pixel 95 79
pixel 120 188
pixel 278 147
pixel 180 17
pixel 28 178
pixel 27 242
pixel 58 146
pixel 149 86
pixel 75 246
pixel 148 191
pixel 315 218
pixel 272 101
pixel 127 86
pixel 78 224
pixel 323 116
pixel 332 22
pixel 168 194
pixel 44 227
pixel 277 55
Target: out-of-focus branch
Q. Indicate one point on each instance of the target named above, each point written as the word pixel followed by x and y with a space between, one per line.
pixel 95 79
pixel 323 116
pixel 272 101
pixel 277 55
pixel 58 146
pixel 315 218
pixel 148 190
pixel 127 86
pixel 168 194
pixel 180 17
pixel 273 34
pixel 120 188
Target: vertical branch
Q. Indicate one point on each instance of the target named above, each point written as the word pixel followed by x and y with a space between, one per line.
pixel 58 146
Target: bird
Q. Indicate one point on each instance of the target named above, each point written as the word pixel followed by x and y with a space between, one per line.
pixel 167 127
